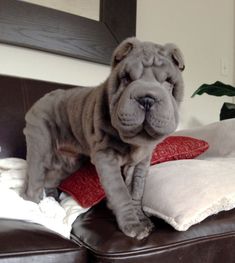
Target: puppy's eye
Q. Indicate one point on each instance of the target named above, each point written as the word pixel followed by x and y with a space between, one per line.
pixel 169 80
pixel 126 79
pixel 169 84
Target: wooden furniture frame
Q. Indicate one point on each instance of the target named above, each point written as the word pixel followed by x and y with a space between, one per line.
pixel 32 26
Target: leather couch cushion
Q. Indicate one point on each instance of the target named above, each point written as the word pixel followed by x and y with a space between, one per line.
pixel 211 241
pixel 26 242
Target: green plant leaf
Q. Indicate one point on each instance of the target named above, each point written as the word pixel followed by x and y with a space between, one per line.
pixel 216 89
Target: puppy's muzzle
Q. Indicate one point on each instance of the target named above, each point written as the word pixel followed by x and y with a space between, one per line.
pixel 146 102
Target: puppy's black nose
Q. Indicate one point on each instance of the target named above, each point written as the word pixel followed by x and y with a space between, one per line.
pixel 147 102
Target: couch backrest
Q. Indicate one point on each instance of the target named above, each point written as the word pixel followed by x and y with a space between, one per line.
pixel 17 95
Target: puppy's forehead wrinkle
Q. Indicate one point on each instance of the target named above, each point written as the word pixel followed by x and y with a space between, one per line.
pixel 134 68
pixel 147 51
pixel 141 69
pixel 158 61
pixel 146 55
pixel 148 61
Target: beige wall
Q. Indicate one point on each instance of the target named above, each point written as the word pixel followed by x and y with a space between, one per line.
pixel 17 61
pixel 203 29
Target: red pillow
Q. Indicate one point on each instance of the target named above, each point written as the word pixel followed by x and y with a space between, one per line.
pixel 177 148
pixel 85 187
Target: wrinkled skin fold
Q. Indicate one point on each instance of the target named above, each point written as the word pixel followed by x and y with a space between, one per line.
pixel 116 124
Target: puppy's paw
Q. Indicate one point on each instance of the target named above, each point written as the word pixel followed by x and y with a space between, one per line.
pixel 146 222
pixel 137 230
pixel 133 227
pixel 35 197
pixel 52 192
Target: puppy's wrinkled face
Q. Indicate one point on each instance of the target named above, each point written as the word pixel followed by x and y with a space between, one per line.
pixel 145 89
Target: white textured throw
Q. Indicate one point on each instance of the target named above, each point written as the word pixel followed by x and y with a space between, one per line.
pixel 53 215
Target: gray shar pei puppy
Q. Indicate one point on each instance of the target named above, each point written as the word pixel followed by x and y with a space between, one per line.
pixel 117 124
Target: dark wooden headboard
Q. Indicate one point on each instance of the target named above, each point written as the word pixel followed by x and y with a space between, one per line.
pixel 17 95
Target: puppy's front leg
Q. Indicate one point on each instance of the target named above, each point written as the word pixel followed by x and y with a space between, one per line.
pixel 137 191
pixel 35 176
pixel 108 166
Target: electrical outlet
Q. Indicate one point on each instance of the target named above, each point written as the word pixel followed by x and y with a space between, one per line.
pixel 224 67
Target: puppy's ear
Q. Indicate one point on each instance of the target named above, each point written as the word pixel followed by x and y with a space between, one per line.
pixel 123 50
pixel 176 55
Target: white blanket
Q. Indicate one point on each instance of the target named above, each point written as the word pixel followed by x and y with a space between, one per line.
pixel 58 217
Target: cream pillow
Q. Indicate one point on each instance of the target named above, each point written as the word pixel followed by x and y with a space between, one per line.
pixel 185 192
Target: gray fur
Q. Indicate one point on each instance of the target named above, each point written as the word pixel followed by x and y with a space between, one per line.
pixel 114 124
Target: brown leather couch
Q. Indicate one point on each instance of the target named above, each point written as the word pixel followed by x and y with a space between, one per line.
pixel 95 236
